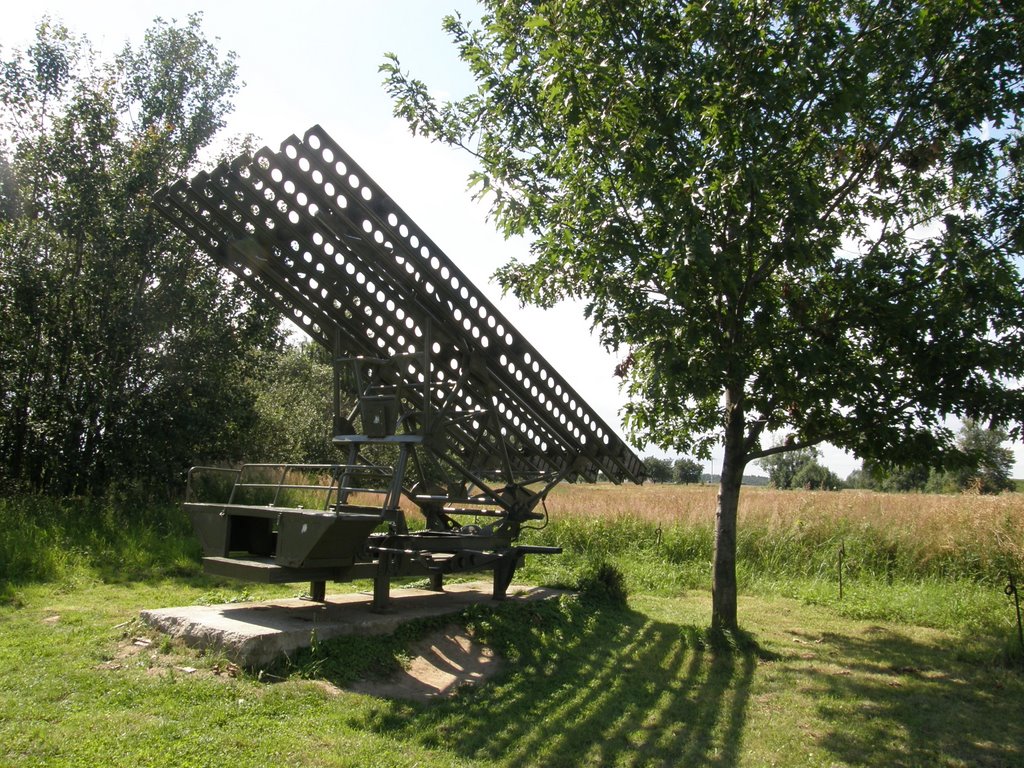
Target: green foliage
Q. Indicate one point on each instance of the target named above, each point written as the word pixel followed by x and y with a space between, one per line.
pixel 815 477
pixel 659 470
pixel 895 479
pixel 782 467
pixel 665 470
pixel 693 170
pixel 294 407
pixel 799 469
pixel 666 559
pixel 991 462
pixel 604 583
pixel 123 356
pixel 983 466
pixel 795 218
pixel 688 471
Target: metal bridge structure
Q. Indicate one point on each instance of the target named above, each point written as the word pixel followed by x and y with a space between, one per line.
pixel 443 412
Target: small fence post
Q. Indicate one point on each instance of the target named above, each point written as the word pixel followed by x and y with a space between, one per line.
pixel 1011 591
pixel 842 555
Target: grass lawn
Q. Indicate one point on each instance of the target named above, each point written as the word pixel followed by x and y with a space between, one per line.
pixel 584 683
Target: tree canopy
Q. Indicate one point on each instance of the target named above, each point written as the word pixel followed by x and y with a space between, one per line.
pixel 789 217
pixel 122 354
pixel 688 470
pixel 658 469
pixel 782 467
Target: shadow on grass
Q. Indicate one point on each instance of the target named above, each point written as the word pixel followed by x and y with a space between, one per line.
pixel 590 686
pixel 916 705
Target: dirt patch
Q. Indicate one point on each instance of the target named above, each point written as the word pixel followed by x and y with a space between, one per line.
pixel 443 662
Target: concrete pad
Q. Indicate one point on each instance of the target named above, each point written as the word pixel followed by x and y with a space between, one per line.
pixel 254 634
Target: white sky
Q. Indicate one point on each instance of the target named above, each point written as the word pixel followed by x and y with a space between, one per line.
pixel 316 61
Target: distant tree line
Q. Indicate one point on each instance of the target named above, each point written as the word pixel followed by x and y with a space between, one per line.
pixel 985 468
pixel 681 470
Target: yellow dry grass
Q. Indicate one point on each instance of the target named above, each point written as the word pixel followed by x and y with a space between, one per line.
pixel 933 521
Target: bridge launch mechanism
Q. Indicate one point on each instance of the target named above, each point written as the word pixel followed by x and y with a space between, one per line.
pixel 443 412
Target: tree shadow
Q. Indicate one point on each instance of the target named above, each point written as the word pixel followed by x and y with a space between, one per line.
pixel 917 705
pixel 604 687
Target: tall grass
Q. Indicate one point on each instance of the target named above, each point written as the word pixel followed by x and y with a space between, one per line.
pixel 939 561
pixel 48 539
pixel 800 533
pixel 934 560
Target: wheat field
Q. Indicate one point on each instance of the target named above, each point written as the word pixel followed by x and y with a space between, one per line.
pixel 959 534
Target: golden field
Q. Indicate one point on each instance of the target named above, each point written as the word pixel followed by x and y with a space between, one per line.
pixel 924 527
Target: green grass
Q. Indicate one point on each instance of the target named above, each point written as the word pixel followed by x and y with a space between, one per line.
pixel 909 668
pixel 45 539
pixel 585 683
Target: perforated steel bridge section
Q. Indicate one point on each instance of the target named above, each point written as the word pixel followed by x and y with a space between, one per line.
pixel 308 230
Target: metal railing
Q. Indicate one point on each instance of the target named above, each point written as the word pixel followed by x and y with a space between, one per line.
pixel 335 482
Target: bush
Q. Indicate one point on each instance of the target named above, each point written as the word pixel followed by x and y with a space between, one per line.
pixel 604 583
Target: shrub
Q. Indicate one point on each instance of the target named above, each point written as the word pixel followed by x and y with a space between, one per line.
pixel 603 582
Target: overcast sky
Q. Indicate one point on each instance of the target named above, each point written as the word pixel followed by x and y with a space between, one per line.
pixel 313 62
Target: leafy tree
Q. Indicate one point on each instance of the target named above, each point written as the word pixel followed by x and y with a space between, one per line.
pixel 897 478
pixel 688 471
pixel 122 354
pixel 990 462
pixel 857 479
pixel 294 406
pixel 791 217
pixel 941 481
pixel 658 470
pixel 813 476
pixel 783 466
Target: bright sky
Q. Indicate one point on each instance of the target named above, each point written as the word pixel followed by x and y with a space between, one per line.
pixel 316 62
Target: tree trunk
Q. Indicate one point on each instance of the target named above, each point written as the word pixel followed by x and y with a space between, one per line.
pixel 723 577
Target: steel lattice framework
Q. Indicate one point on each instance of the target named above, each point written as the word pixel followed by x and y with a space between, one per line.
pixel 438 371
